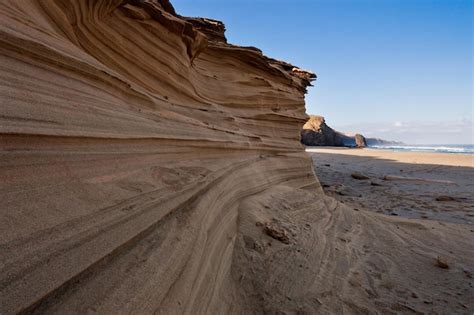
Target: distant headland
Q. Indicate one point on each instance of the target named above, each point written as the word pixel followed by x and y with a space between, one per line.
pixel 316 132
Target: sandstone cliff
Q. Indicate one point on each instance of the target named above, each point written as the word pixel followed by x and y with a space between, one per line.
pixel 147 166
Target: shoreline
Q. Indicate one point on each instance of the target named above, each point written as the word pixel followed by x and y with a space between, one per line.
pixel 410 157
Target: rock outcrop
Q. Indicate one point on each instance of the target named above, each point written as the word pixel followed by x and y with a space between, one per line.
pixel 360 141
pixel 139 150
pixel 316 132
pixel 130 139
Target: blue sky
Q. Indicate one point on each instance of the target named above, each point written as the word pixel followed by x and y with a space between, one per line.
pixel 398 69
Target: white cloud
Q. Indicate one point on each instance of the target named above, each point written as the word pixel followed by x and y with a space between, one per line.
pixel 416 132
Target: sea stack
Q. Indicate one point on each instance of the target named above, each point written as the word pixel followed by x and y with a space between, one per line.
pixel 360 141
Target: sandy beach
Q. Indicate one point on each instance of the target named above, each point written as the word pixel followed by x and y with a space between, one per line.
pixel 422 185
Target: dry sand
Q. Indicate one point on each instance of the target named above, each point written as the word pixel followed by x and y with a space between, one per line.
pixel 441 214
pixel 416 181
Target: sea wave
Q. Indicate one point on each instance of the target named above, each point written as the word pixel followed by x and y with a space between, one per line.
pixel 460 149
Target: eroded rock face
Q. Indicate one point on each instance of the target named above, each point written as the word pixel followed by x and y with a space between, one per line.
pixel 129 136
pixel 317 133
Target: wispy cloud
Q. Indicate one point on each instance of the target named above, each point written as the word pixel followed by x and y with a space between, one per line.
pixel 398 124
pixel 415 132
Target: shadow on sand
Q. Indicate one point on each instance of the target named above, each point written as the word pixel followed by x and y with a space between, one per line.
pixel 407 198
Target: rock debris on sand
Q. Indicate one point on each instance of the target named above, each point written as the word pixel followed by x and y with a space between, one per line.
pixel 442 262
pixel 277 232
pixel 445 198
pixel 359 176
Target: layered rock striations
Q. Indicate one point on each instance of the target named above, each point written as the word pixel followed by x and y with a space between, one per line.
pixel 148 166
pixel 130 137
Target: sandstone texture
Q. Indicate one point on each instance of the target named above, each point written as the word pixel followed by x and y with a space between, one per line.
pixel 138 150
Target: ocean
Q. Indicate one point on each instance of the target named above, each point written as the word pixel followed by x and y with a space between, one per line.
pixel 438 148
